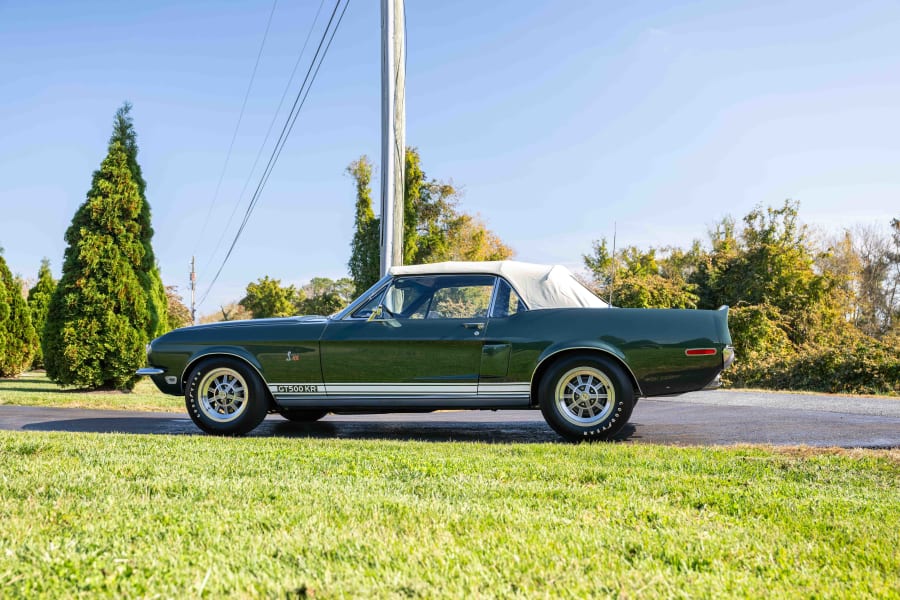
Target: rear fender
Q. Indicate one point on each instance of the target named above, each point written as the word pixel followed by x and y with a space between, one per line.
pixel 590 345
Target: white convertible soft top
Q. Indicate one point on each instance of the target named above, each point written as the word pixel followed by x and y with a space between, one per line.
pixel 540 286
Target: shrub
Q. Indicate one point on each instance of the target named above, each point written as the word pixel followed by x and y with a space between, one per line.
pixel 17 337
pixel 39 302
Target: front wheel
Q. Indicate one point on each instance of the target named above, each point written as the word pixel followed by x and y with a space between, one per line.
pixel 585 397
pixel 225 397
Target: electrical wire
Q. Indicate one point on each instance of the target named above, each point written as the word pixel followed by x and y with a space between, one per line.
pixel 299 101
pixel 265 141
pixel 237 128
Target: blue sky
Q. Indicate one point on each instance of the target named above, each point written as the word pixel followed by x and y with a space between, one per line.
pixel 556 119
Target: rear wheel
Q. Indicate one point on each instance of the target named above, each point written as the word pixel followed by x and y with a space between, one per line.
pixel 586 397
pixel 224 396
pixel 299 415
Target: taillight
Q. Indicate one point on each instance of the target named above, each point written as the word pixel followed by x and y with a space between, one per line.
pixel 700 351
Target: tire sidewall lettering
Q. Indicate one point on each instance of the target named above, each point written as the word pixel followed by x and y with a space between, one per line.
pixel 256 399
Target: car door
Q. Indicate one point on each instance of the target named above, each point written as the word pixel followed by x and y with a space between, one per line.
pixel 423 345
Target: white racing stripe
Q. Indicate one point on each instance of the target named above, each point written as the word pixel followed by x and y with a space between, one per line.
pixel 471 390
pixel 401 389
pixel 504 389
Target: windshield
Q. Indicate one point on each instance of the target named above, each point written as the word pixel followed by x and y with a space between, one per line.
pixel 362 299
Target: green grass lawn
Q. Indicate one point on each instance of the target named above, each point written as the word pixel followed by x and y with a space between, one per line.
pixel 191 516
pixel 34 389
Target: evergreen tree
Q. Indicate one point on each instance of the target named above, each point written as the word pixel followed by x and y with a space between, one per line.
pixel 151 281
pixel 39 301
pixel 17 337
pixel 365 249
pixel 412 197
pixel 98 317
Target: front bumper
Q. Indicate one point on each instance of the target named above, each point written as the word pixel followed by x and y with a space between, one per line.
pixel 149 371
pixel 167 384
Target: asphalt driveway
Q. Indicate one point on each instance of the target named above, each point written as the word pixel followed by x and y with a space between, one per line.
pixel 705 418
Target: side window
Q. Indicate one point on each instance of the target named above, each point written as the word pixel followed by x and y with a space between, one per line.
pixel 462 302
pixel 437 297
pixel 409 297
pixel 507 302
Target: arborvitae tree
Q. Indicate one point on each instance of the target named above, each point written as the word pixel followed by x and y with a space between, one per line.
pixel 412 194
pixel 365 264
pixel 151 281
pixel 39 301
pixel 17 337
pixel 98 318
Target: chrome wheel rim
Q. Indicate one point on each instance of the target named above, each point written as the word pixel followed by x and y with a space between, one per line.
pixel 223 395
pixel 585 396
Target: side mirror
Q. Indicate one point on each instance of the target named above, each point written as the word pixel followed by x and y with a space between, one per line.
pixel 385 319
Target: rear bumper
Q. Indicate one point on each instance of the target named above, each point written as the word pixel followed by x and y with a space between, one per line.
pixel 727 357
pixel 714 384
pixel 727 360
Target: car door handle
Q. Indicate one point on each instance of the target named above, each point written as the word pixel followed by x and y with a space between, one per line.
pixel 478 326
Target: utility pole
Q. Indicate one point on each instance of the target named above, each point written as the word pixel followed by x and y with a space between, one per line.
pixel 393 132
pixel 193 292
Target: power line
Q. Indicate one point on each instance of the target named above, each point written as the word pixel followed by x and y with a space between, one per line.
pixel 299 101
pixel 262 146
pixel 237 128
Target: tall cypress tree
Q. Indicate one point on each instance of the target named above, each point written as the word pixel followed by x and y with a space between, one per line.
pixel 151 281
pixel 365 249
pixel 17 337
pixel 98 317
pixel 38 302
pixel 412 190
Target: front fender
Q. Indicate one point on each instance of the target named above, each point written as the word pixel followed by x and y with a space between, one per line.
pixel 233 351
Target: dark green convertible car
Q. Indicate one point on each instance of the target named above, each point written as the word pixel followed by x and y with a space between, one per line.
pixel 488 335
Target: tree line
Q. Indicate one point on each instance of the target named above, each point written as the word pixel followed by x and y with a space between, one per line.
pixel 808 311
